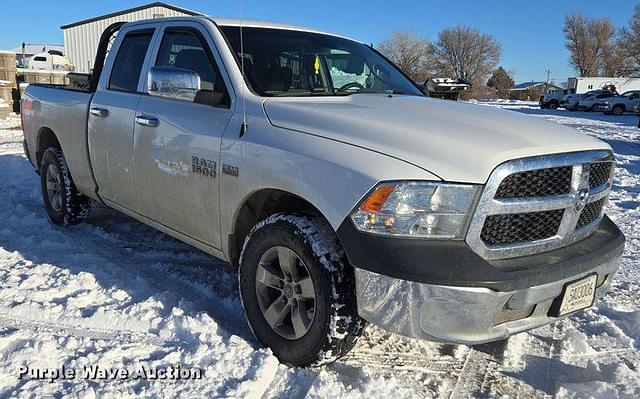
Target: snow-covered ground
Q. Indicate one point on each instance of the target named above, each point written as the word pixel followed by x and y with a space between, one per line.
pixel 114 293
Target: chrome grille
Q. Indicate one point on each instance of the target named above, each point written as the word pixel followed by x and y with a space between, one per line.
pixel 533 205
pixel 536 183
pixel 590 213
pixel 519 227
pixel 599 173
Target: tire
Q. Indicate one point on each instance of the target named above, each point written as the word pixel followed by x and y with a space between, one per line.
pixel 311 246
pixel 618 110
pixel 64 203
pixel 553 105
pixel 593 108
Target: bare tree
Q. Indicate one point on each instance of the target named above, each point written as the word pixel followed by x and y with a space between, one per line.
pixel 408 52
pixel 465 53
pixel 630 42
pixel 593 46
pixel 616 62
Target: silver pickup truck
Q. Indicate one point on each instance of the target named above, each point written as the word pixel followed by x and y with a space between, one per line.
pixel 342 194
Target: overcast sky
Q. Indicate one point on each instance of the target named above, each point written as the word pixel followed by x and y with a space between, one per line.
pixel 529 31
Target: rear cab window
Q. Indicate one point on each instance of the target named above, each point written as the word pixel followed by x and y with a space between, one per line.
pixel 127 66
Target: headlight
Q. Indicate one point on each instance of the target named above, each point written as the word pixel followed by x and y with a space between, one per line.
pixel 416 209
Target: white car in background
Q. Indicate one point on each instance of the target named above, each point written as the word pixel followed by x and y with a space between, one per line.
pixel 626 102
pixel 594 101
pixel 570 101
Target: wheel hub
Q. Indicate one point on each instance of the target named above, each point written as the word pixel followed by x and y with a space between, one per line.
pixel 286 293
pixel 54 187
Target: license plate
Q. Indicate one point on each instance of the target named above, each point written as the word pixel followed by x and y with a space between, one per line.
pixel 578 295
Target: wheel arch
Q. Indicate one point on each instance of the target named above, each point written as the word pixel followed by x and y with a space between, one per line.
pixel 258 206
pixel 46 138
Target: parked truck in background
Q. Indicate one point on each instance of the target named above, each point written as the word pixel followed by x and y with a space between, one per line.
pixel 625 102
pixel 552 99
pixel 339 191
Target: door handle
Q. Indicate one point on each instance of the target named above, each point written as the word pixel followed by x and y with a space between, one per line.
pixel 147 121
pixel 101 112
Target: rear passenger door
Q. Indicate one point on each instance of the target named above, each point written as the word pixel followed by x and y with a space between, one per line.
pixel 112 112
pixel 177 155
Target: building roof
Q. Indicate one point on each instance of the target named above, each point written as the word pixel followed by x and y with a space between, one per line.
pixel 529 85
pixel 130 10
pixel 31 49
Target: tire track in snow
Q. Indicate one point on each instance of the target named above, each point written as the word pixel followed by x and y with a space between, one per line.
pixel 8 322
pixel 479 365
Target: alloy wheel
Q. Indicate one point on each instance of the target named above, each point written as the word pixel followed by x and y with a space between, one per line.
pixel 285 292
pixel 54 187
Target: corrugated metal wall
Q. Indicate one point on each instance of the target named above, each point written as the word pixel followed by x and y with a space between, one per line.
pixel 81 42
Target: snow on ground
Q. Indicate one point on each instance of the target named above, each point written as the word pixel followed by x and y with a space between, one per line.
pixel 114 293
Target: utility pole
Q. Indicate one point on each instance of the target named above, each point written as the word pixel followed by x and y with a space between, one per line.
pixel 546 84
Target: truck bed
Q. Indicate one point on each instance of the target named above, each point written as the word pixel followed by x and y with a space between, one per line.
pixel 63 111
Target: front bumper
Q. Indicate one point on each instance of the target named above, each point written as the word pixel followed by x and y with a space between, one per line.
pixel 463 315
pixel 443 291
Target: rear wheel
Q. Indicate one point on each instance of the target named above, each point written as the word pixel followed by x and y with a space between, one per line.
pixel 553 105
pixel 617 110
pixel 64 203
pixel 298 291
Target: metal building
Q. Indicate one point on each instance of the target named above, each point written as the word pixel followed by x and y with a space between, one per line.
pixel 81 38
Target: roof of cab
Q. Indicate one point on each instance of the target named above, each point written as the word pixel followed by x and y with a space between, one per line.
pixel 270 25
pixel 247 23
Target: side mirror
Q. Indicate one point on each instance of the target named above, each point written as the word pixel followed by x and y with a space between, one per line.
pixel 172 82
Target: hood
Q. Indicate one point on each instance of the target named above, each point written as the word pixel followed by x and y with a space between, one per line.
pixel 456 141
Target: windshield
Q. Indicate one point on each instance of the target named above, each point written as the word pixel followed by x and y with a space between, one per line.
pixel 290 63
pixel 628 93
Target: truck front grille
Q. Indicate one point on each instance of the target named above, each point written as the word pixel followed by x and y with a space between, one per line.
pixel 521 227
pixel 599 173
pixel 536 183
pixel 590 213
pixel 537 204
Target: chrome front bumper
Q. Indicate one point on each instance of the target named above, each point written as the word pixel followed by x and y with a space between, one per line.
pixel 464 315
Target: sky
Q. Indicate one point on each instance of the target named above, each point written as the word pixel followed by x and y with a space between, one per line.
pixel 530 31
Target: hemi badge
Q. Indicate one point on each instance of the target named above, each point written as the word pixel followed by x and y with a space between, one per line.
pixel 230 170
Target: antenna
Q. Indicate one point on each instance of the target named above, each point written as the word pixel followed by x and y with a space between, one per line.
pixel 243 126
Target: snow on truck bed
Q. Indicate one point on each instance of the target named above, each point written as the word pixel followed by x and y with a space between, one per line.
pixel 116 294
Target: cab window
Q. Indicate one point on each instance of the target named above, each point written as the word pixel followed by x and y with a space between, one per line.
pixel 128 63
pixel 186 48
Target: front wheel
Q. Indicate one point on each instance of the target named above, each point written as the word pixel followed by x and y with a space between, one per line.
pixel 64 203
pixel 618 110
pixel 298 290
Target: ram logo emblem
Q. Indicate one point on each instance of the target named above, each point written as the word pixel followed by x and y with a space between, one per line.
pixel 203 167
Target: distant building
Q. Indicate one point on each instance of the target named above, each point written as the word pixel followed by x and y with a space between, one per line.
pixel 531 91
pixel 81 38
pixel 32 49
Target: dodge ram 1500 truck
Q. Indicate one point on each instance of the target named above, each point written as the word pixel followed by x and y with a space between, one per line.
pixel 341 193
